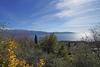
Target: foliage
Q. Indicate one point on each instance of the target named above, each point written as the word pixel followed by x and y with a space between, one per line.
pixel 11 59
pixel 83 56
pixel 48 44
pixel 36 39
pixel 41 62
pixel 50 53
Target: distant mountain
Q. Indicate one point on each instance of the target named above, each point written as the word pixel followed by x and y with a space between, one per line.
pixel 22 33
pixel 61 36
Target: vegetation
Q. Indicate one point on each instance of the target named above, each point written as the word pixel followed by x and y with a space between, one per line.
pixel 48 52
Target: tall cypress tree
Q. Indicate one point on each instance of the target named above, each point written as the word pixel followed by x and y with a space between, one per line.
pixel 36 39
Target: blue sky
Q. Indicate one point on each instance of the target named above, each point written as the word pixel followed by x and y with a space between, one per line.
pixel 50 15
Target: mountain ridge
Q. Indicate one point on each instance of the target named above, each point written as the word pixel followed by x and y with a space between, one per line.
pixel 29 33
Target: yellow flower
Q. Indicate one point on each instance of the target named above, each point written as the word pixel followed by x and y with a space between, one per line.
pixel 11 56
pixel 41 62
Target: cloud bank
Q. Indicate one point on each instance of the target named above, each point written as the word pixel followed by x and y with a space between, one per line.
pixel 79 14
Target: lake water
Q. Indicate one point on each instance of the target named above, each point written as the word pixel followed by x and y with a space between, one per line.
pixel 68 37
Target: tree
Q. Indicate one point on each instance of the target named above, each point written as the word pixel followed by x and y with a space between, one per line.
pixel 36 39
pixel 96 33
pixel 96 39
pixel 3 26
pixel 48 43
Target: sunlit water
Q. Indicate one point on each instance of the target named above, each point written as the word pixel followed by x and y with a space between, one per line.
pixel 73 36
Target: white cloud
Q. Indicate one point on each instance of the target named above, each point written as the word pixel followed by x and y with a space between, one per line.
pixel 71 7
pixel 80 12
pixel 71 3
pixel 75 13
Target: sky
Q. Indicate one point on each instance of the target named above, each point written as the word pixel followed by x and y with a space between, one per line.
pixel 50 15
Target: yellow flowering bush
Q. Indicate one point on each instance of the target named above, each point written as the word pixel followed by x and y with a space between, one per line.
pixel 12 61
pixel 41 62
pixel 11 56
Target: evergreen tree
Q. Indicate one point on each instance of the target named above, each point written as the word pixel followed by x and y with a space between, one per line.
pixel 36 39
pixel 48 43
